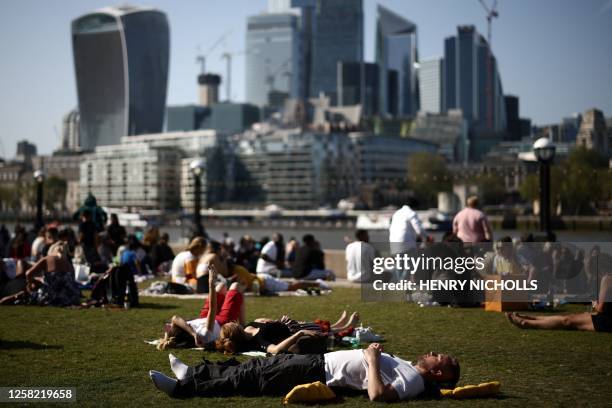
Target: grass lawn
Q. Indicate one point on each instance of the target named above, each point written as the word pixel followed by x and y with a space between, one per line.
pixel 102 353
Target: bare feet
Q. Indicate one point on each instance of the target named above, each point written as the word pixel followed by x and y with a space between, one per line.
pixel 341 321
pixel 354 320
pixel 515 320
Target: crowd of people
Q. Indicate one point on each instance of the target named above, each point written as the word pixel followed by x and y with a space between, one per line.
pixel 38 267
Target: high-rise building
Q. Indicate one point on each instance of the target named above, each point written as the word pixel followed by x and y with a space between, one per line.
pixel 274 59
pixel 593 133
pixel 25 151
pixel 71 138
pixel 468 80
pixel 337 35
pixel 358 85
pixel 430 85
pixel 121 57
pixel 513 119
pixel 569 128
pixel 208 85
pixel 396 49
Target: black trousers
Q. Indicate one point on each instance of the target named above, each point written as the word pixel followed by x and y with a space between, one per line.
pixel 273 376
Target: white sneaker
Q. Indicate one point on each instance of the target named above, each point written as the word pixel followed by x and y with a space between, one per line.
pixel 322 284
pixel 301 292
pixel 178 367
pixel 163 382
pixel 366 335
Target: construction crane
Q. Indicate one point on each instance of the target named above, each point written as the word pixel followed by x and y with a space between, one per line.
pixel 491 14
pixel 227 56
pixel 201 57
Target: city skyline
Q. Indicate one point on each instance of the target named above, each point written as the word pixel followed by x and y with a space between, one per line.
pixel 555 71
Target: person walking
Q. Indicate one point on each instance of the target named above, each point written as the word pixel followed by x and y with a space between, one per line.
pixel 471 224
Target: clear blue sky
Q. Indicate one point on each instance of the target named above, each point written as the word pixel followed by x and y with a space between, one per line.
pixel 555 54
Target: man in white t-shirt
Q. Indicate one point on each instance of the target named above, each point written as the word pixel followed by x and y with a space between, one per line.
pixel 272 260
pixel 384 376
pixel 360 256
pixel 404 230
pixel 267 259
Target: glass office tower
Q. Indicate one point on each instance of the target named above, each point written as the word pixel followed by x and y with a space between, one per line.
pixel 337 36
pixel 430 84
pixel 121 57
pixel 396 50
pixel 466 80
pixel 273 59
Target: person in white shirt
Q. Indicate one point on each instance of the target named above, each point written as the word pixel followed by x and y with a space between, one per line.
pixel 360 256
pixel 272 260
pixel 194 251
pixel 383 376
pixel 404 230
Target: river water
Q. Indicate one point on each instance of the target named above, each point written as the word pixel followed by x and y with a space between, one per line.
pixel 334 238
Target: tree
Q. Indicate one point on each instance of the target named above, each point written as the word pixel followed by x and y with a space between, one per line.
pixel 427 176
pixel 584 180
pixel 491 187
pixel 579 182
pixel 55 189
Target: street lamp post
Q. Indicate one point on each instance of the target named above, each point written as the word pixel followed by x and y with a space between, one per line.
pixel 39 177
pixel 197 168
pixel 544 151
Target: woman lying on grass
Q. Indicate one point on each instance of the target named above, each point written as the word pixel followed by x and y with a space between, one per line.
pixel 204 330
pixel 600 321
pixel 281 336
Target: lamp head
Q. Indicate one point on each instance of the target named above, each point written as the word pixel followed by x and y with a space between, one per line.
pixel 39 176
pixel 544 150
pixel 197 167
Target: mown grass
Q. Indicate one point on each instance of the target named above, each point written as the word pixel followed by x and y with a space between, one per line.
pixel 102 353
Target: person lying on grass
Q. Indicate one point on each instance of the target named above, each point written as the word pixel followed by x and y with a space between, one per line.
pixel 222 308
pixel 269 284
pixel 281 336
pixel 600 321
pixel 384 376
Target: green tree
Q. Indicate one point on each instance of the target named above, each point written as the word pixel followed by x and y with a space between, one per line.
pixel 579 182
pixel 530 186
pixel 584 180
pixel 492 188
pixel 428 175
pixel 55 189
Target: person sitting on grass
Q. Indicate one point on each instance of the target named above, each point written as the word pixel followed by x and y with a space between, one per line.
pixel 281 336
pixel 219 309
pixel 179 265
pixel 50 281
pixel 214 255
pixel 600 321
pixel 384 376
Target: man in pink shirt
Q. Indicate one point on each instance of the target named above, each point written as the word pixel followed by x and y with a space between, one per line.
pixel 471 224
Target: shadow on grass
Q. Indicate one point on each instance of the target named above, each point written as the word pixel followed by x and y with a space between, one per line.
pixel 15 345
pixel 156 306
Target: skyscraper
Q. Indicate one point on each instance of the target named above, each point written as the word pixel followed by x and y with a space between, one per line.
pixel 121 57
pixel 337 35
pixel 430 85
pixel 513 121
pixel 358 84
pixel 396 49
pixel 274 59
pixel 465 80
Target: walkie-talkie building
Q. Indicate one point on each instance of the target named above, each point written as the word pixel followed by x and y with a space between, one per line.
pixel 121 59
